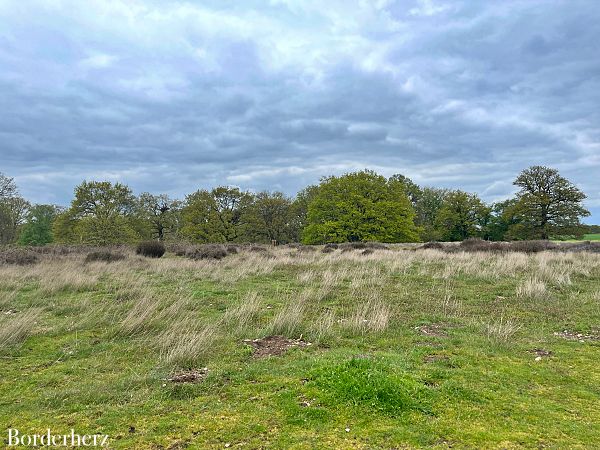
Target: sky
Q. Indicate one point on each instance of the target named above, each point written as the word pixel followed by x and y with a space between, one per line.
pixel 170 97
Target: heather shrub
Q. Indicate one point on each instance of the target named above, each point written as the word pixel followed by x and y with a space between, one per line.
pixel 17 256
pixel 332 246
pixel 151 249
pixel 432 246
pixel 532 246
pixel 104 256
pixel 208 251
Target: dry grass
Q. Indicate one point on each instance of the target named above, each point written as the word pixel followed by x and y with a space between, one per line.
pixel 244 314
pixel 15 328
pixel 532 289
pixel 183 346
pixel 372 316
pixel 501 330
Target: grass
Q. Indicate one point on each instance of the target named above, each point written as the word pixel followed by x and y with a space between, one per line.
pixel 410 349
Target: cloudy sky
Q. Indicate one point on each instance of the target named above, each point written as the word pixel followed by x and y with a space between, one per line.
pixel 273 94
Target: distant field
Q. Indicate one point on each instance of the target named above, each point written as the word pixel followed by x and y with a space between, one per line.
pixel 591 237
pixel 375 350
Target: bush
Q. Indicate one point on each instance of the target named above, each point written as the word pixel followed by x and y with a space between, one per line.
pixel 432 246
pixel 332 246
pixel 151 249
pixel 532 246
pixel 327 250
pixel 257 248
pixel 306 248
pixel 208 251
pixel 19 257
pixel 104 256
pixel 232 249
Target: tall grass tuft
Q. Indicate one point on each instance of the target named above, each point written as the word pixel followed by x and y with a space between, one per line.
pixel 15 328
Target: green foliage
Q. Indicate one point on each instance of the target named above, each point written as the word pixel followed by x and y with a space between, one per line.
pixel 360 206
pixel 503 218
pixel 269 217
pixel 462 216
pixel 157 216
pixel 547 204
pixel 100 214
pixel 373 384
pixel 216 215
pixel 428 207
pixel 13 211
pixel 38 227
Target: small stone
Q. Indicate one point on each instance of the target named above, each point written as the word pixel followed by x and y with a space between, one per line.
pixel 347 430
pixel 539 358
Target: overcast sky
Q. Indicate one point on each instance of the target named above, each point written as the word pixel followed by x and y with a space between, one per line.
pixel 175 96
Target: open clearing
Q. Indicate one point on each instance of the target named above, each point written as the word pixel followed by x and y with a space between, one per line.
pixel 289 348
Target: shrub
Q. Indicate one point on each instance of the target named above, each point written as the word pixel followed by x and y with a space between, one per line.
pixel 306 248
pixel 19 257
pixel 104 256
pixel 367 251
pixel 532 246
pixel 208 251
pixel 257 248
pixel 432 246
pixel 327 250
pixel 151 249
pixel 332 246
pixel 232 249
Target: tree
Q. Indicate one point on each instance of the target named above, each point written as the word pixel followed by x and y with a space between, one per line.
pixel 158 214
pixel 412 190
pixel 37 229
pixel 13 211
pixel 360 206
pixel 427 208
pixel 216 215
pixel 8 188
pixel 101 213
pixel 269 217
pixel 462 216
pixel 502 219
pixel 547 204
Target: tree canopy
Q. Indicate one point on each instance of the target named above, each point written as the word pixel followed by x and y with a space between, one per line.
pixel 360 206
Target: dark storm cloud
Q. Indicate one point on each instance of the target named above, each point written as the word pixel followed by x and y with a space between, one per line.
pixel 170 97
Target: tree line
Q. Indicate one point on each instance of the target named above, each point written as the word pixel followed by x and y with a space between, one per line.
pixel 358 206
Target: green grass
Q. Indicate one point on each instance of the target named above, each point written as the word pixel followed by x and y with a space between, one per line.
pixel 472 381
pixel 591 237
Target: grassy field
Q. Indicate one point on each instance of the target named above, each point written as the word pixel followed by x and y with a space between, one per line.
pixel 591 237
pixel 397 348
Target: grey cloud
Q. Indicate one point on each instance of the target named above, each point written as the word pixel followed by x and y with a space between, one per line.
pixel 173 97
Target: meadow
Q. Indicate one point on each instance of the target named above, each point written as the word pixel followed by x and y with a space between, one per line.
pixel 301 347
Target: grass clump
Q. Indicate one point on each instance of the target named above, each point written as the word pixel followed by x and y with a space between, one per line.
pixel 373 384
pixel 151 249
pixel 15 328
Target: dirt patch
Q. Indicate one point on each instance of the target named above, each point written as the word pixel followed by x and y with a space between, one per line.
pixel 581 337
pixel 274 345
pixel 435 358
pixel 189 376
pixel 540 352
pixel 434 329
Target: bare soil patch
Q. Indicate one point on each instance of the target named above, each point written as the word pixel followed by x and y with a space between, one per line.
pixel 189 376
pixel 540 352
pixel 274 345
pixel 574 336
pixel 434 329
pixel 435 358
